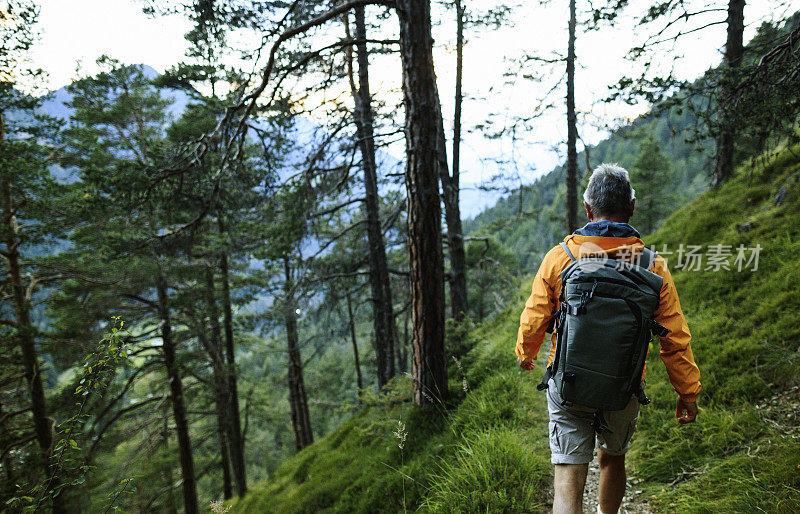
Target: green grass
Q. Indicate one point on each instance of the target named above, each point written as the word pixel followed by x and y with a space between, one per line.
pixel 745 337
pixel 765 478
pixel 488 452
pixel 451 455
pixel 495 470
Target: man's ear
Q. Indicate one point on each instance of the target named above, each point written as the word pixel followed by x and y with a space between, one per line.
pixel 633 204
pixel 589 214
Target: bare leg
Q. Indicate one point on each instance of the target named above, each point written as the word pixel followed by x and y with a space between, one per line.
pixel 569 481
pixel 612 481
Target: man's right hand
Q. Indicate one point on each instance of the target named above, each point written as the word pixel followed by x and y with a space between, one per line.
pixel 690 410
pixel 526 365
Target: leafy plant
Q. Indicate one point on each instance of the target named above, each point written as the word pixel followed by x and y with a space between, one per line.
pixel 68 466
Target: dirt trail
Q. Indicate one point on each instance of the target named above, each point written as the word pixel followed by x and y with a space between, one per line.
pixel 781 412
pixel 634 502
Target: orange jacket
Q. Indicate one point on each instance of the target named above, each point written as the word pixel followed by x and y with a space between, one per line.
pixel 676 351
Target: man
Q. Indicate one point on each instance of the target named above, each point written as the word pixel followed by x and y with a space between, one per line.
pixel 609 201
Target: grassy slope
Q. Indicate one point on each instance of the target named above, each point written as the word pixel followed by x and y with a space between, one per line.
pixel 490 452
pixel 745 338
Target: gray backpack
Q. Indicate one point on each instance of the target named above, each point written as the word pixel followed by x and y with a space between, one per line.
pixel 603 330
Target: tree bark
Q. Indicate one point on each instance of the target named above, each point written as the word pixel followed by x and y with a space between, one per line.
pixel 236 440
pixel 167 469
pixel 176 395
pixel 572 128
pixel 224 450
pixel 383 315
pixel 426 271
pixel 359 378
pixel 298 402
pixel 42 424
pixel 8 466
pixel 402 353
pixel 734 50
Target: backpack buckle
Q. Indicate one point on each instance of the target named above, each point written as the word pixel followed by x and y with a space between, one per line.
pixel 585 295
pixel 658 329
pixel 545 379
pixel 599 423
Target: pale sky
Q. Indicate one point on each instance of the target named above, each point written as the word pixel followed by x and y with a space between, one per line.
pixel 79 31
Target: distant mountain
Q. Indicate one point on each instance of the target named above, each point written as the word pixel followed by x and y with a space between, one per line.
pixel 306 135
pixel 56 104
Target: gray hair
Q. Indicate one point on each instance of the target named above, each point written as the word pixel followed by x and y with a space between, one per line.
pixel 609 191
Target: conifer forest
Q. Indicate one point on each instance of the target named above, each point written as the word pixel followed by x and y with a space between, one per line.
pixel 271 255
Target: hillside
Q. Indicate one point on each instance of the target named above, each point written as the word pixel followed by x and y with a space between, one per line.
pixel 487 451
pixel 528 225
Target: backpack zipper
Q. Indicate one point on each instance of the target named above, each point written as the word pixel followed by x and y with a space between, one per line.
pixel 638 369
pixel 618 282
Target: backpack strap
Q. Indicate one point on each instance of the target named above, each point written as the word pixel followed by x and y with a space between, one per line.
pixel 569 253
pixel 641 397
pixel 559 316
pixel 553 367
pixel 548 374
pixel 647 258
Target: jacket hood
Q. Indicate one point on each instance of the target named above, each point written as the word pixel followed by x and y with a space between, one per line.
pixel 606 228
pixel 614 247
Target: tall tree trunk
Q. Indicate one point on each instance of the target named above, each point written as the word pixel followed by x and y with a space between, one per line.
pixel 572 128
pixel 176 395
pixel 383 315
pixel 8 467
pixel 452 215
pixel 298 402
pixel 359 378
pixel 43 425
pixel 223 368
pixel 459 96
pixel 235 437
pixel 224 450
pixel 734 50
pixel 402 353
pixel 452 190
pixel 424 210
pixel 167 469
pixel 214 349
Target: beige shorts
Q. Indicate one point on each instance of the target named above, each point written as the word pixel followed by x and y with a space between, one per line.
pixel 572 438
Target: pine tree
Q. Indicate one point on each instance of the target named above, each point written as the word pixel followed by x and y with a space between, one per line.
pixel 127 213
pixel 426 260
pixel 383 315
pixel 651 177
pixel 286 267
